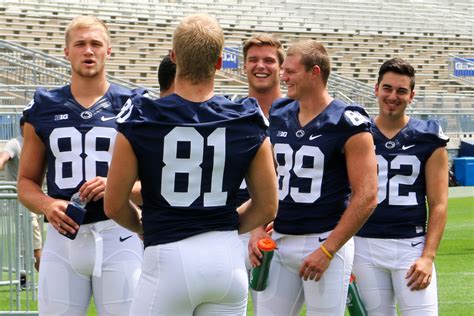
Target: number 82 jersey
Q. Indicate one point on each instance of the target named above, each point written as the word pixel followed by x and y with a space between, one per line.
pixel 401 210
pixel 313 182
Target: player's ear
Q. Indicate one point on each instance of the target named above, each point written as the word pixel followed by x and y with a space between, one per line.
pixel 66 53
pixel 316 71
pixel 412 95
pixel 109 52
pixel 173 57
pixel 219 63
pixel 376 90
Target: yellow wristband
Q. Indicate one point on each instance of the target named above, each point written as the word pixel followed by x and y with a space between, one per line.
pixel 326 252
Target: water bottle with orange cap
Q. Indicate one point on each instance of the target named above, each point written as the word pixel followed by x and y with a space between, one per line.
pixel 259 275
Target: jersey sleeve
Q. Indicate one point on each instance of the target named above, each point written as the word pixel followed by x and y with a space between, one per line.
pixel 129 116
pixel 430 133
pixel 354 120
pixel 29 112
pixel 11 147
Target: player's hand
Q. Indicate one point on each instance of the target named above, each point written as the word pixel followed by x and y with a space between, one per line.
pixel 314 265
pixel 255 255
pixel 419 274
pixel 269 228
pixel 56 215
pixel 94 189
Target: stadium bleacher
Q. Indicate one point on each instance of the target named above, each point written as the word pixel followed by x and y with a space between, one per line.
pixel 359 36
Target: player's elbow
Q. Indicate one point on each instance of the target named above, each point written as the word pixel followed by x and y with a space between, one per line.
pixel 367 200
pixel 111 206
pixel 270 209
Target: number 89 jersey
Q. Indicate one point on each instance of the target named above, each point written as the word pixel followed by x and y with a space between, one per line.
pixel 401 210
pixel 192 158
pixel 78 141
pixel 313 182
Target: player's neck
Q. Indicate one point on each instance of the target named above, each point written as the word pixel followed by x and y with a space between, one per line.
pixel 312 105
pixel 390 126
pixel 87 91
pixel 200 92
pixel 265 99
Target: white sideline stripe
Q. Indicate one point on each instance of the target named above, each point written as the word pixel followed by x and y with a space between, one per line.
pixel 454 273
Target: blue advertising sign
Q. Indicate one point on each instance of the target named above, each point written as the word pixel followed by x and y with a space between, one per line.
pixel 463 67
pixel 230 58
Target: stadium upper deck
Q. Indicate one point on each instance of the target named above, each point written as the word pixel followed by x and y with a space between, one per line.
pixel 359 35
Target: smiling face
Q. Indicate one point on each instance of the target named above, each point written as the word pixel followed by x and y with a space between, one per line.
pixel 296 77
pixel 262 68
pixel 87 50
pixel 394 93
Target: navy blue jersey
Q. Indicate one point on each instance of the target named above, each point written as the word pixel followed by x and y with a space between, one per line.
pixel 243 193
pixel 192 158
pixel 78 141
pixel 401 210
pixel 313 182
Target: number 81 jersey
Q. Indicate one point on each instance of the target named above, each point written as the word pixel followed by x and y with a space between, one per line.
pixel 192 158
pixel 79 141
pixel 313 182
pixel 401 210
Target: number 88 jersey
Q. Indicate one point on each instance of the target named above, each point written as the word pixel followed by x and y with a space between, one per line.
pixel 401 210
pixel 313 182
pixel 79 141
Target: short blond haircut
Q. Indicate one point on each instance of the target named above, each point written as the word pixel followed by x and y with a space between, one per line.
pixel 265 40
pixel 198 41
pixel 312 54
pixel 86 21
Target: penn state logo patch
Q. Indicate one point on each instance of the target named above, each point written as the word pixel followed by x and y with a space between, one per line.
pixel 86 115
pixel 390 145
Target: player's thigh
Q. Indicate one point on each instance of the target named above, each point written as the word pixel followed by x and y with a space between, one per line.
pixel 37 238
pixel 61 289
pixel 328 296
pixel 373 279
pixel 424 302
pixel 415 303
pixel 121 267
pixel 284 292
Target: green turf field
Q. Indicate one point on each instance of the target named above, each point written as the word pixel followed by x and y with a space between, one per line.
pixel 454 263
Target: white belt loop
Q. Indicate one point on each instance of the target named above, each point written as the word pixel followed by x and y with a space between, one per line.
pixel 96 230
pixel 99 248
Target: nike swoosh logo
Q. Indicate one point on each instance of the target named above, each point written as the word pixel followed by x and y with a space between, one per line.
pixel 407 147
pixel 414 244
pixel 322 239
pixel 104 119
pixel 313 137
pixel 123 239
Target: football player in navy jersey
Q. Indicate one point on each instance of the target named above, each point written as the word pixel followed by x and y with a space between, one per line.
pixel 191 151
pixel 70 132
pixel 263 56
pixel 327 188
pixel 396 248
pixel 166 74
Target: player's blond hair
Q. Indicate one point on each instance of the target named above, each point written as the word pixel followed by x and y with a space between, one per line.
pixel 86 22
pixel 198 41
pixel 265 40
pixel 312 54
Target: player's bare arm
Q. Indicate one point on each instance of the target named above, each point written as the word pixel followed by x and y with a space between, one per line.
pixel 4 157
pixel 362 173
pixel 30 177
pixel 121 178
pixel 262 186
pixel 436 171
